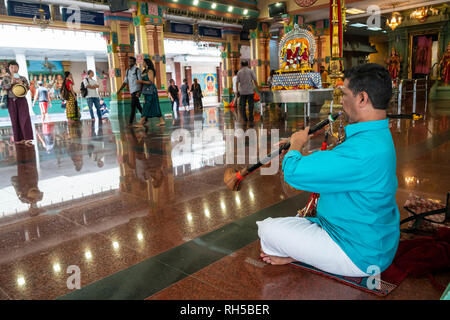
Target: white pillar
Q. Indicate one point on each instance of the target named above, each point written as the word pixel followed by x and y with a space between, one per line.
pixel 90 62
pixel 23 71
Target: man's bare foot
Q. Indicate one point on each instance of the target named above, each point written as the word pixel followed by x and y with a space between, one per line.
pixel 274 260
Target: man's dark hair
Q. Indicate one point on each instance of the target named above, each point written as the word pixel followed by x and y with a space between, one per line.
pixel 373 79
pixel 90 71
pixel 184 80
pixel 132 58
pixel 244 63
pixel 236 72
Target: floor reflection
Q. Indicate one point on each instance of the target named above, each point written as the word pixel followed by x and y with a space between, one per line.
pixel 105 188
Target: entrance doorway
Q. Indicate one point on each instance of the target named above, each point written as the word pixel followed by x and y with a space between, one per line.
pixel 189 60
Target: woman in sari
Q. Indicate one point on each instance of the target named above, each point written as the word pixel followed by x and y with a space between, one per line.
pixel 69 94
pixel 150 92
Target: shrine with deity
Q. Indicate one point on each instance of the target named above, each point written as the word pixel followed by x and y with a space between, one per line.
pixel 296 54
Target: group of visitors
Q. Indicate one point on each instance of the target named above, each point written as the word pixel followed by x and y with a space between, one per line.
pixel 16 86
pixel 143 83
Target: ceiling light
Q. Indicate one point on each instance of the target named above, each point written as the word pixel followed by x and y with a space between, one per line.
pixel 374 29
pixel 395 21
pixel 56 267
pixel 245 11
pixel 230 8
pixel 213 5
pixel 358 25
pixel 21 281
pixel 354 11
pixel 195 2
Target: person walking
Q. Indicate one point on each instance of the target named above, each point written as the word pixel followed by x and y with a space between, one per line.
pixel 185 95
pixel 197 95
pixel 44 99
pixel 133 77
pixel 92 95
pixel 150 92
pixel 70 96
pixel 174 95
pixel 246 83
pixel 18 106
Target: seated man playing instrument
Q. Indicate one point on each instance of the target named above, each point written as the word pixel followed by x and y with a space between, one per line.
pixel 356 229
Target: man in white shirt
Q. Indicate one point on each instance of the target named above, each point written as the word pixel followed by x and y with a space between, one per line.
pixel 92 96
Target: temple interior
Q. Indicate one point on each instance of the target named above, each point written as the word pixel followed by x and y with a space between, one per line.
pixel 143 212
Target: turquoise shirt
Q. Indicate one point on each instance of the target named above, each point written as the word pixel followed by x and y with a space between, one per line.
pixel 357 184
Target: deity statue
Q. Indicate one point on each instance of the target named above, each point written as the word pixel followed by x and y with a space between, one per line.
pixel 290 59
pixel 444 65
pixel 393 63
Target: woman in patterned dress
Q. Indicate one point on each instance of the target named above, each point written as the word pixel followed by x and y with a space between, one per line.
pixel 18 106
pixel 72 109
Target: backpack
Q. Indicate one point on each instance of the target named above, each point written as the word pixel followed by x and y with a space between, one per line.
pixel 83 89
pixel 135 72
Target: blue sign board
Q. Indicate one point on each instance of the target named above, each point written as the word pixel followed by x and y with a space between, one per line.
pixel 26 10
pixel 87 17
pixel 181 28
pixel 210 32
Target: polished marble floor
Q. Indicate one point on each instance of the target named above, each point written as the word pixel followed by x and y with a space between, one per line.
pixel 144 213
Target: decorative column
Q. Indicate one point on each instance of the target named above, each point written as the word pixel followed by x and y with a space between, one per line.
pixel 66 65
pixel 231 58
pixel 260 54
pixel 23 71
pixel 90 65
pixel 148 24
pixel 120 45
pixel 337 18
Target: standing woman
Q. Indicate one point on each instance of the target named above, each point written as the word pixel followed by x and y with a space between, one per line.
pixel 68 93
pixel 174 93
pixel 18 106
pixel 151 101
pixel 197 95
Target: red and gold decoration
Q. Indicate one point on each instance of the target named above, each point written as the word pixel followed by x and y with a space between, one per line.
pixel 296 54
pixel 423 13
pixel 393 62
pixel 444 65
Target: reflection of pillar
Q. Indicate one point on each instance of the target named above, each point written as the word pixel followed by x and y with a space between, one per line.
pixel 231 57
pixel 23 71
pixel 90 64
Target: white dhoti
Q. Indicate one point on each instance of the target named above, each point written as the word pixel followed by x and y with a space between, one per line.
pixel 305 242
